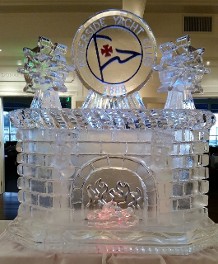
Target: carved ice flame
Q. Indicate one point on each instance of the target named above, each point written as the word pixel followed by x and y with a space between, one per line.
pixel 100 194
pixel 113 206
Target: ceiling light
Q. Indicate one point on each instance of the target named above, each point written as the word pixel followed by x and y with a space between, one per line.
pixel 207 63
pixel 0 50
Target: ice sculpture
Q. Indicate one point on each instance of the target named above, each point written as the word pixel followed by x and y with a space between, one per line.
pixel 113 56
pixel 181 70
pixel 113 176
pixel 45 71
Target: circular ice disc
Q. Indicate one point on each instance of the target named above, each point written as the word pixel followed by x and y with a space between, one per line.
pixel 113 53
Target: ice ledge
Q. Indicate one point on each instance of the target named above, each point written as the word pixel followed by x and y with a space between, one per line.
pixel 112 119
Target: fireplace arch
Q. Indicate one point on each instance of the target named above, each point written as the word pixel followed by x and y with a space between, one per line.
pixel 125 181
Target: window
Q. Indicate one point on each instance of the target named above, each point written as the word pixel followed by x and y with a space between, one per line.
pixel 213 141
pixel 212 105
pixel 9 130
pixel 13 103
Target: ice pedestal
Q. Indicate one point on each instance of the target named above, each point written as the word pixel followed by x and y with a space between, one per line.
pixel 97 180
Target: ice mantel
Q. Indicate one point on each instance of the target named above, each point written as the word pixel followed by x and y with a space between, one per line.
pixel 120 180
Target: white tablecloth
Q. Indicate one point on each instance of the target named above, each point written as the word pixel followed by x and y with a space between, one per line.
pixel 12 252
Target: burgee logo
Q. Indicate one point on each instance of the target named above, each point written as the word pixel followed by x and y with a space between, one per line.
pixel 113 49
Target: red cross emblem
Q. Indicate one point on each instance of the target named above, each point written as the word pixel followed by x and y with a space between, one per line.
pixel 106 50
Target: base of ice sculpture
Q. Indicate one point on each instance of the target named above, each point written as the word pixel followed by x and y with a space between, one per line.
pixel 149 240
pixel 113 181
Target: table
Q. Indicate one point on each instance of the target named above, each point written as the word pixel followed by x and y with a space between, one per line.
pixel 12 252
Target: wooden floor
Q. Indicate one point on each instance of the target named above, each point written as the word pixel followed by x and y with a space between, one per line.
pixel 213 207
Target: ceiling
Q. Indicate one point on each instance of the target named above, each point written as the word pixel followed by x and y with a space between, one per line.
pixel 197 6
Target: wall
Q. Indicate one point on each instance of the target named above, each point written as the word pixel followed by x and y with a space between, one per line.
pixel 168 27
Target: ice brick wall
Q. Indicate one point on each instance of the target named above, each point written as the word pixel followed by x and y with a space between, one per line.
pixel 188 161
pixel 52 166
